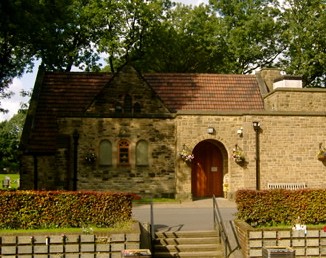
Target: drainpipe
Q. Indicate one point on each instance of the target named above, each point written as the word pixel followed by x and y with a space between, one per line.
pixel 75 136
pixel 256 126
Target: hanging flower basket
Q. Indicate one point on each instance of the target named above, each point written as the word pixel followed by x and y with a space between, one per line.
pixel 90 157
pixel 238 155
pixel 186 154
pixel 321 155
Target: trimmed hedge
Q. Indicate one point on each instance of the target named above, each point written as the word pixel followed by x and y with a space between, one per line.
pixel 59 209
pixel 274 207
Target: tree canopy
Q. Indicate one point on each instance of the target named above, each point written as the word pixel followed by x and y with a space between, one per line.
pixel 225 36
pixel 10 133
pixel 304 40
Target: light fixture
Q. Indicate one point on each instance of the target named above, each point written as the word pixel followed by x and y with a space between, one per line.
pixel 210 130
pixel 256 126
pixel 240 132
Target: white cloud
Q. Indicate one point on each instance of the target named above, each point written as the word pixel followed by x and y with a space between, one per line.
pixel 14 102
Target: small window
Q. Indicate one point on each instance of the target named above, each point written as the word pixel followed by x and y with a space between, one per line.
pixel 124 152
pixel 137 108
pixel 142 153
pixel 128 104
pixel 105 153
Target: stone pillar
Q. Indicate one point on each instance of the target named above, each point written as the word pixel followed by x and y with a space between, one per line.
pixel 269 75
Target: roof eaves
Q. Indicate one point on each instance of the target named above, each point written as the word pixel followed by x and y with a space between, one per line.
pixel 32 108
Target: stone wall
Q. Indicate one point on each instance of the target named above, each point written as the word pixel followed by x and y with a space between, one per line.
pixel 296 100
pixel 252 241
pixel 156 178
pixel 288 148
pixel 46 176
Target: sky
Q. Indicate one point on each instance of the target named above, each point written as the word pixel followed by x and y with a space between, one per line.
pixel 26 82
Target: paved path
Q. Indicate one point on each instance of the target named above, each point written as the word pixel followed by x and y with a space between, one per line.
pixel 188 216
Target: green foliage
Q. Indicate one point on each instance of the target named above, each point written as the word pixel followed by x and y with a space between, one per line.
pixel 274 207
pixel 304 40
pixel 61 209
pixel 10 133
pixel 226 36
pixel 250 30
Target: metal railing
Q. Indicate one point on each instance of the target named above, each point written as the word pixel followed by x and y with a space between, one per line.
pixel 222 233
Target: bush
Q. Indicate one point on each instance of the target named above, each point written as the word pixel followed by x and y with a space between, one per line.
pixel 274 207
pixel 59 209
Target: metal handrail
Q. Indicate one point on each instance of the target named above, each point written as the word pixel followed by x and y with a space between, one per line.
pixel 220 228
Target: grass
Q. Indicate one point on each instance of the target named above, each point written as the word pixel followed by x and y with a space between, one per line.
pixel 13 178
pixel 124 227
pixel 155 200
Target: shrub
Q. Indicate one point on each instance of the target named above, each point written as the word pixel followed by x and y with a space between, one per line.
pixel 273 207
pixel 58 209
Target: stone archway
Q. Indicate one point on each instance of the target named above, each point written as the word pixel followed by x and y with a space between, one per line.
pixel 207 170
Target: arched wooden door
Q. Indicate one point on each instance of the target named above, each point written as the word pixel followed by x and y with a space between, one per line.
pixel 207 170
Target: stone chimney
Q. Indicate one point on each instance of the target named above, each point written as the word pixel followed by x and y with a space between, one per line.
pixel 269 75
pixel 288 81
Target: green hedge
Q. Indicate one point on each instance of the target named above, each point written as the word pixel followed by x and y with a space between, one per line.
pixel 59 209
pixel 274 207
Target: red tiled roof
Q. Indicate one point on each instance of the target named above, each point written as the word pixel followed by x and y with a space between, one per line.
pixel 207 92
pixel 60 93
pixel 69 94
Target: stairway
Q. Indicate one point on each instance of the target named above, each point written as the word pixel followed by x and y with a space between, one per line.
pixel 187 244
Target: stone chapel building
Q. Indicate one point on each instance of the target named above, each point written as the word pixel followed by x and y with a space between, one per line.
pixel 126 132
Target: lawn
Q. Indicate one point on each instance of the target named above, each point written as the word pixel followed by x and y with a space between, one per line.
pixel 14 179
pixel 123 227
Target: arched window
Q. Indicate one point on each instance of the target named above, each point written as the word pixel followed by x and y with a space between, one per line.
pixel 128 104
pixel 142 153
pixel 105 153
pixel 123 152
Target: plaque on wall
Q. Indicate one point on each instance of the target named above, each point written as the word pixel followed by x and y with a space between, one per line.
pixel 213 169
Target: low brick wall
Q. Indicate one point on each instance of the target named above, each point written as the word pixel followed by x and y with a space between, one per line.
pixel 252 240
pixel 69 245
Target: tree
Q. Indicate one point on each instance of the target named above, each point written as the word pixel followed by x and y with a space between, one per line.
pixel 10 133
pixel 305 40
pixel 15 54
pixel 185 40
pixel 127 29
pixel 226 36
pixel 250 31
pixel 66 35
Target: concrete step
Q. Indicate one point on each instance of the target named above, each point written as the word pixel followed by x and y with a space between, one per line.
pixel 186 234
pixel 189 255
pixel 186 248
pixel 186 241
pixel 184 244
